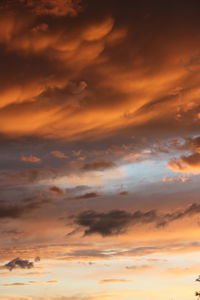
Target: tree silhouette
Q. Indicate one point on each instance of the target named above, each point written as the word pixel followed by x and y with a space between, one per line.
pixel 197 294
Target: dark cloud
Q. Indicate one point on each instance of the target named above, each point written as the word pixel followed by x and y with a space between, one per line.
pixel 193 209
pixel 124 193
pixel 113 222
pixel 88 86
pixel 19 263
pixel 86 253
pixel 117 221
pixel 12 232
pixel 98 165
pixel 85 196
pixel 16 210
pixel 27 176
pixel 56 8
pixel 37 259
pixel 188 144
pixel 109 52
pixel 195 143
pixel 56 191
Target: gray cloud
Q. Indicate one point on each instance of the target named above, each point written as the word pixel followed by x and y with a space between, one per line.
pixel 98 165
pixel 56 191
pixel 85 196
pixel 19 263
pixel 16 210
pixel 113 222
pixel 27 176
pixel 117 221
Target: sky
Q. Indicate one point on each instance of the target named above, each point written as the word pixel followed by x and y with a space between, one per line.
pixel 99 149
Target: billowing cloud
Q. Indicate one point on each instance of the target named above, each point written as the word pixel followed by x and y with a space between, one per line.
pixel 96 99
pixel 84 54
pixel 54 8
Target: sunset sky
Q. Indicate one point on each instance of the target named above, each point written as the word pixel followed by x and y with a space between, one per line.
pixel 99 149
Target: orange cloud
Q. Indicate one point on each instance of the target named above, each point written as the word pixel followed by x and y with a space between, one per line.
pixel 187 164
pixel 98 31
pixel 59 154
pixel 73 50
pixel 14 284
pixel 31 158
pixel 56 8
pixel 110 281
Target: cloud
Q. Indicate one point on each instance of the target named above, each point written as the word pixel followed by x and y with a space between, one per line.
pixel 37 259
pixel 31 158
pixel 113 222
pixel 55 8
pixel 19 263
pixel 124 193
pixel 52 281
pixel 59 154
pixel 91 88
pixel 116 222
pixel 56 191
pixel 136 268
pixel 27 176
pixel 14 284
pixel 85 196
pixel 183 271
pixel 75 297
pixel 94 254
pixel 175 179
pixel 99 30
pixel 191 210
pixel 98 165
pixel 187 164
pixel 110 281
pixel 53 52
pixel 15 211
pixel 194 144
